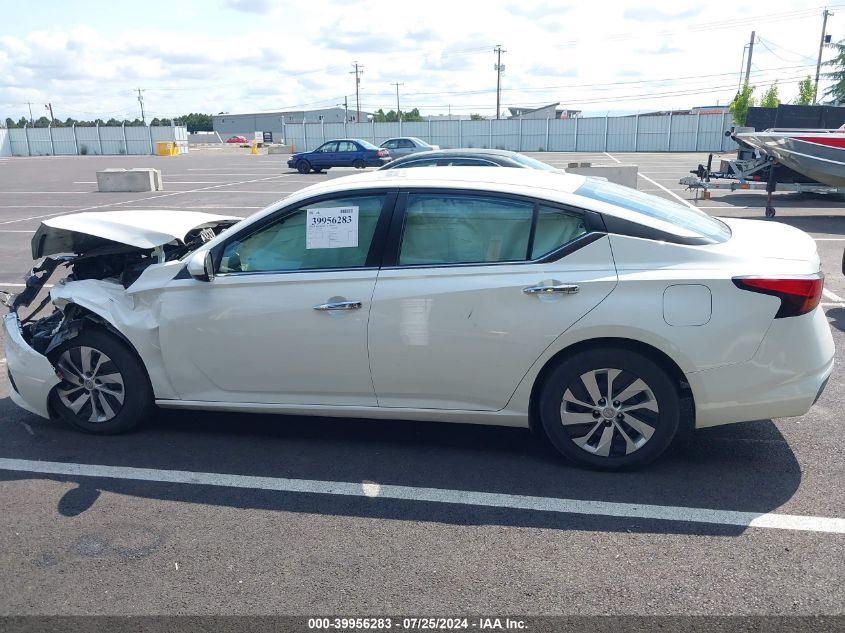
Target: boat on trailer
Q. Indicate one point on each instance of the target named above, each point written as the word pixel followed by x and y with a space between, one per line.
pixel 817 154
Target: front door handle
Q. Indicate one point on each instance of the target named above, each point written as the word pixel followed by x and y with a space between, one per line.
pixel 567 289
pixel 339 305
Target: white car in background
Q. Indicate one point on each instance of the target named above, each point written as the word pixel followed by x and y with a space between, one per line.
pixel 610 319
pixel 405 145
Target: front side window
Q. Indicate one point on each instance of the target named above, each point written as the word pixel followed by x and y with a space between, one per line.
pixel 427 162
pixel 329 234
pixel 460 229
pixel 391 144
pixel 327 147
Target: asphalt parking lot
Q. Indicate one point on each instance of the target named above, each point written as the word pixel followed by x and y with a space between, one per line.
pixel 745 519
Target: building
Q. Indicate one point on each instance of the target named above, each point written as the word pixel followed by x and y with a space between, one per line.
pixel 247 124
pixel 550 111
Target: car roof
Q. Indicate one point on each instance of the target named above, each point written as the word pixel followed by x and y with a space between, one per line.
pixel 549 185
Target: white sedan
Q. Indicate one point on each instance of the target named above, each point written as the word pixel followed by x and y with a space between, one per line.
pixel 611 320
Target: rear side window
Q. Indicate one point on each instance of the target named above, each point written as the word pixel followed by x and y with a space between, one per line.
pixel 443 229
pixel 470 162
pixel 691 221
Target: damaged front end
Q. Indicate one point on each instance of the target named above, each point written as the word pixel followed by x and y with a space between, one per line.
pixel 110 249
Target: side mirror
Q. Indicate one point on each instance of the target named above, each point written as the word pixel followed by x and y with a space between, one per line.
pixel 201 266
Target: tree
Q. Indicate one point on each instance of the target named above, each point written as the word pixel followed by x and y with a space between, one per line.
pixel 42 122
pixel 770 97
pixel 195 122
pixel 805 91
pixel 10 122
pixel 837 91
pixel 475 117
pixel 743 100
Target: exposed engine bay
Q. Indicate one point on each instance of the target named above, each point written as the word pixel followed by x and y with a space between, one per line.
pixel 98 255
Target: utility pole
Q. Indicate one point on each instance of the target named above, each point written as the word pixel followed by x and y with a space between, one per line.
pixel 398 111
pixel 31 121
pixel 500 68
pixel 359 70
pixel 345 105
pixel 741 66
pixel 825 15
pixel 49 108
pixel 141 101
pixel 750 53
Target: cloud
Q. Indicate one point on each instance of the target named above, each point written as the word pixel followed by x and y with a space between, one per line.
pixel 537 11
pixel 261 7
pixel 650 14
pixel 629 73
pixel 663 49
pixel 552 71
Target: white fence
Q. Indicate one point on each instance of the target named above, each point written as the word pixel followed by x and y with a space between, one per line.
pixel 100 140
pixel 647 133
pixel 5 144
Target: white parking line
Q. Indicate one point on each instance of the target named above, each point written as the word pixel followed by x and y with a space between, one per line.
pixel 832 296
pixel 15 231
pixel 369 490
pixel 829 239
pixel 3 284
pixel 155 197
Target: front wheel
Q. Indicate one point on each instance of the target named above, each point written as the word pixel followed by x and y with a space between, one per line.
pixel 303 167
pixel 610 409
pixel 104 387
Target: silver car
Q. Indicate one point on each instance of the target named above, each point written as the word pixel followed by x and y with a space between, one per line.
pixel 402 146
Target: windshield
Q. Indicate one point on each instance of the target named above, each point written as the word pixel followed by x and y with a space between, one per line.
pixel 366 144
pixel 533 163
pixel 654 207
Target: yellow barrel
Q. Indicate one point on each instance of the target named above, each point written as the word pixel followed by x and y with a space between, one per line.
pixel 164 148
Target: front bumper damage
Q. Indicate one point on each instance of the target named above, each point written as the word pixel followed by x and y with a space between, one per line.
pixel 31 377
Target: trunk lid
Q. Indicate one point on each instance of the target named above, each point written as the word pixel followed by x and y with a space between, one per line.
pixel 771 240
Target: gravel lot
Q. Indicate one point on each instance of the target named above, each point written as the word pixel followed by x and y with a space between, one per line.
pixel 120 544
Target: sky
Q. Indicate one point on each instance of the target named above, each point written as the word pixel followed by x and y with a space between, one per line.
pixel 88 57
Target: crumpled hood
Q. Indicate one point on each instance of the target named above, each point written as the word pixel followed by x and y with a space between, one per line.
pixel 81 232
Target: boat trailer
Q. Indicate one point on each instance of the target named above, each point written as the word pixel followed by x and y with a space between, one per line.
pixel 752 171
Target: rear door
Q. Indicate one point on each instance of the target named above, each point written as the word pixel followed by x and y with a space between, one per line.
pixel 474 287
pixel 347 153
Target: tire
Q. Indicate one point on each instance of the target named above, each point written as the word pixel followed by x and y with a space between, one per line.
pixel 107 377
pixel 588 430
pixel 358 164
pixel 303 167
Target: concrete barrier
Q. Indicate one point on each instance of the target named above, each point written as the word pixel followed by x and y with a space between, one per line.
pixel 278 149
pixel 140 179
pixel 620 174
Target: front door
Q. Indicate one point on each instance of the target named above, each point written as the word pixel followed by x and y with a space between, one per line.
pixel 285 318
pixel 481 285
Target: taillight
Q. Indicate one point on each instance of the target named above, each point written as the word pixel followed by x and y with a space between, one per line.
pixel 382 152
pixel 798 295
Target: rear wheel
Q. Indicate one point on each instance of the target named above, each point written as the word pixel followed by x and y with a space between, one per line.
pixel 358 164
pixel 104 387
pixel 303 167
pixel 610 409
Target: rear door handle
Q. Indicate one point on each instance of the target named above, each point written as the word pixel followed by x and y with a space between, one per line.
pixel 339 305
pixel 567 289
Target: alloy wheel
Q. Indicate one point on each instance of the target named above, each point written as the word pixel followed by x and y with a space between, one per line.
pixel 609 412
pixel 92 387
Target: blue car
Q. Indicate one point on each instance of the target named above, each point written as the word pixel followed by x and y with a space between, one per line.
pixel 345 152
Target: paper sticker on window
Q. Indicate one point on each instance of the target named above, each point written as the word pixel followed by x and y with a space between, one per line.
pixel 334 227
